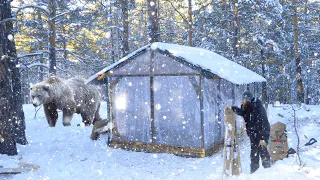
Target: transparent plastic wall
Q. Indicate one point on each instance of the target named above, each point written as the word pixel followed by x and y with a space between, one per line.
pixel 177 111
pixel 131 107
pixel 217 94
pixel 161 65
pixel 136 66
pixel 176 102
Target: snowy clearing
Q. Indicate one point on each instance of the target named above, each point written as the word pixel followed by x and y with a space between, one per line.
pixel 69 153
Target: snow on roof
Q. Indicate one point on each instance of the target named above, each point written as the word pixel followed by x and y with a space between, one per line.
pixel 203 58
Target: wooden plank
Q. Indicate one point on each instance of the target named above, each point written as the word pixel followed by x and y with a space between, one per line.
pixel 156 74
pixel 23 168
pixel 214 148
pixel 159 148
pixel 11 170
pixel 231 153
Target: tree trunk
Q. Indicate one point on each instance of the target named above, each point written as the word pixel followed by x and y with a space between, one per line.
pixel 125 25
pixel 52 37
pixel 190 22
pixel 12 129
pixel 235 29
pixel 300 93
pixel 7 142
pixel 264 98
pixel 41 44
pixel 153 21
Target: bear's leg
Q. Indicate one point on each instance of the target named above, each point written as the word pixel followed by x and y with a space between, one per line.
pixel 97 115
pixel 86 119
pixel 97 125
pixel 67 116
pixel 51 113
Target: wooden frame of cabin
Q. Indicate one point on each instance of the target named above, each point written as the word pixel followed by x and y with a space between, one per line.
pixel 186 151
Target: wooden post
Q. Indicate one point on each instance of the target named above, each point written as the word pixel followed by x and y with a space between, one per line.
pixel 231 153
pixel 153 131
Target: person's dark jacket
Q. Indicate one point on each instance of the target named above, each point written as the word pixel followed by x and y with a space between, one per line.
pixel 257 124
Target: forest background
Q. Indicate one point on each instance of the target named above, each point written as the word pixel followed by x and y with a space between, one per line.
pixel 278 39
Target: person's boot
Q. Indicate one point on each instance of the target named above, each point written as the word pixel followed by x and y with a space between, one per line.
pixel 253 168
pixel 266 164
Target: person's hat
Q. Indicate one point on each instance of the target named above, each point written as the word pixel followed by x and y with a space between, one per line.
pixel 247 95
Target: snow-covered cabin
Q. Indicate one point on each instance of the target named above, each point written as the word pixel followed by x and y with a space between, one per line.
pixel 171 98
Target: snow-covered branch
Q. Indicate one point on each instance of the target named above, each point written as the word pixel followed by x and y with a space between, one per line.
pixel 61 14
pixel 44 10
pixel 7 20
pixel 181 15
pixel 117 27
pixel 33 54
pixel 42 4
pixel 73 54
pixel 30 65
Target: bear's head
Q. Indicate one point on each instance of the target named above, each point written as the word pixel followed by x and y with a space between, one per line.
pixel 40 94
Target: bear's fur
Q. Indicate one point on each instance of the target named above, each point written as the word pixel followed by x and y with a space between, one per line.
pixel 71 96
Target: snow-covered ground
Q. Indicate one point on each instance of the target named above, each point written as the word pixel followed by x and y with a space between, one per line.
pixel 69 153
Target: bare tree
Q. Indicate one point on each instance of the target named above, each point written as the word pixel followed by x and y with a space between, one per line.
pixel 190 22
pixel 300 92
pixel 153 21
pixel 52 37
pixel 41 46
pixel 125 25
pixel 235 29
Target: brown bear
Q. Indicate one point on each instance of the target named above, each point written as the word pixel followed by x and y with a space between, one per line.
pixel 71 96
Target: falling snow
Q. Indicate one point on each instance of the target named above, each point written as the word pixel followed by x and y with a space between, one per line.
pixel 10 37
pixel 69 153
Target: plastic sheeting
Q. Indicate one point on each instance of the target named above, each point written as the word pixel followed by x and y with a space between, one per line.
pixel 176 98
pixel 177 111
pixel 131 108
pixel 162 64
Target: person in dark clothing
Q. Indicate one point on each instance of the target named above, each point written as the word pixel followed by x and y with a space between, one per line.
pixel 257 127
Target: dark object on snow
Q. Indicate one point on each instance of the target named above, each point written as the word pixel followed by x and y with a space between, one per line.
pixel 311 141
pixel 291 151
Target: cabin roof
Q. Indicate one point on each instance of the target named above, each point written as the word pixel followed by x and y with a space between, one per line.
pixel 202 58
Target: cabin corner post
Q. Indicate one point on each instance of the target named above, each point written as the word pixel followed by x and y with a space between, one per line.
pixel 108 98
pixel 151 75
pixel 110 117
